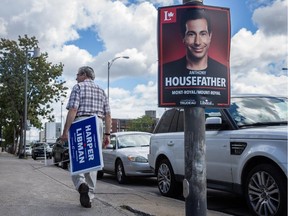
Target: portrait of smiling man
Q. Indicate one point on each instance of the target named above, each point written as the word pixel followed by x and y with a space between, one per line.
pixel 195 76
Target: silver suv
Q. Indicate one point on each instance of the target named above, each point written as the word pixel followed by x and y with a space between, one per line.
pixel 246 151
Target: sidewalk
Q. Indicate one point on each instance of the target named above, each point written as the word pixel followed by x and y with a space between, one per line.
pixel 29 188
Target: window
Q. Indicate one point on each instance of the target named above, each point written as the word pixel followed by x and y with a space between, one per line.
pixel 174 123
pixel 164 124
pixel 113 141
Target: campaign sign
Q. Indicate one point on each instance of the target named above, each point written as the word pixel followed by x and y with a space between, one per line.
pixel 194 54
pixel 85 146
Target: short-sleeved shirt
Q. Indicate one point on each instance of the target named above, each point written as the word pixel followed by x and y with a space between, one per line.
pixel 89 99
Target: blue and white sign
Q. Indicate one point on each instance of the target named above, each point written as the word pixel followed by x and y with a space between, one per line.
pixel 85 146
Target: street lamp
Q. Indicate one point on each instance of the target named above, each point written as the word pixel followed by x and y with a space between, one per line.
pixel 36 54
pixel 62 102
pixel 109 66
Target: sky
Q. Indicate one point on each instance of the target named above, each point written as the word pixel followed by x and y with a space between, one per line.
pixel 93 32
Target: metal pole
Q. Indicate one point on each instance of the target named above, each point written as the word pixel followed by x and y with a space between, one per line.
pixel 36 54
pixel 61 116
pixel 194 184
pixel 192 1
pixel 2 148
pixel 109 66
pixel 108 80
pixel 25 105
pixel 45 155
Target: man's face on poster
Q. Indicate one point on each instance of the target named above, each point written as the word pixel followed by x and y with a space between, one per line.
pixel 197 39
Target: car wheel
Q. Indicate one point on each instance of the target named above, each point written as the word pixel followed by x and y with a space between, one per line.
pixel 266 191
pixel 120 172
pixel 100 175
pixel 55 162
pixel 64 165
pixel 34 157
pixel 166 179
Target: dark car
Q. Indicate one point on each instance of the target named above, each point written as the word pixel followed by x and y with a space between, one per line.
pixel 38 150
pixel 60 154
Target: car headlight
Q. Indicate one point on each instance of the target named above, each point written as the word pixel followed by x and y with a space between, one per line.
pixel 139 159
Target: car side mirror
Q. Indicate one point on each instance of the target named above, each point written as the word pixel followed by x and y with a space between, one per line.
pixel 213 121
pixel 109 146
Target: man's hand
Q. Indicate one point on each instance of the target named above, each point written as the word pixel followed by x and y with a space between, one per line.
pixel 64 138
pixel 69 120
pixel 106 141
pixel 61 140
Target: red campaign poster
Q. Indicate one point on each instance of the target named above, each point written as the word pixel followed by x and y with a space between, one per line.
pixel 194 52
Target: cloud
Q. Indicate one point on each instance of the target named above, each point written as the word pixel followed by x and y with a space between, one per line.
pixel 3 26
pixel 261 83
pixel 127 104
pixel 138 40
pixel 257 59
pixel 126 28
pixel 72 57
pixel 272 20
pixel 257 50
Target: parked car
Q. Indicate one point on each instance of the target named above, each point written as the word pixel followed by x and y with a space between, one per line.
pixel 38 150
pixel 51 145
pixel 60 154
pixel 28 150
pixel 246 151
pixel 126 156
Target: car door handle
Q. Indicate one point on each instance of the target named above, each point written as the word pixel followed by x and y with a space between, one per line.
pixel 170 143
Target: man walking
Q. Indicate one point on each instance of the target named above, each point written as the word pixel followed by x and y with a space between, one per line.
pixel 87 99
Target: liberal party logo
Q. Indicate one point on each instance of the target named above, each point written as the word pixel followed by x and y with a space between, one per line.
pixel 168 15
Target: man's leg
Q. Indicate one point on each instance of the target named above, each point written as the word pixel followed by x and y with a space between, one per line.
pixel 91 180
pixel 83 188
pixel 78 179
pixel 91 177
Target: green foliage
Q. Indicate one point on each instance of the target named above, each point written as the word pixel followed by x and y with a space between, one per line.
pixel 144 123
pixel 43 88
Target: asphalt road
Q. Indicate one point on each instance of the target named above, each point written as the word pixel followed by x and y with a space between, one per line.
pixel 216 200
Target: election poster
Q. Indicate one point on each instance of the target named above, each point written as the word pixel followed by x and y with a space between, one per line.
pixel 194 53
pixel 85 146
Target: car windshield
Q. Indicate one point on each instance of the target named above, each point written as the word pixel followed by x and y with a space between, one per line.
pixel 40 145
pixel 251 111
pixel 133 140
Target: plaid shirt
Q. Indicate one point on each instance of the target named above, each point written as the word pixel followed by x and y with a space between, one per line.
pixel 88 99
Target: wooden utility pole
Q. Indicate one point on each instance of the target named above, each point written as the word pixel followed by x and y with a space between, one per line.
pixel 194 184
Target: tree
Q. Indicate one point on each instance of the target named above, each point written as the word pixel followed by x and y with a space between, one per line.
pixel 144 123
pixel 44 87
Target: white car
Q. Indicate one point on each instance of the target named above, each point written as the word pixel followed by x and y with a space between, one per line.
pixel 246 151
pixel 127 156
pixel 28 150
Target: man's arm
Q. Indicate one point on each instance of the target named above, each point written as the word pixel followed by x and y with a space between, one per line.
pixel 69 120
pixel 108 121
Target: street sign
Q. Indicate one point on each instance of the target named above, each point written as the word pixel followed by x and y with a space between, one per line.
pixel 85 148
